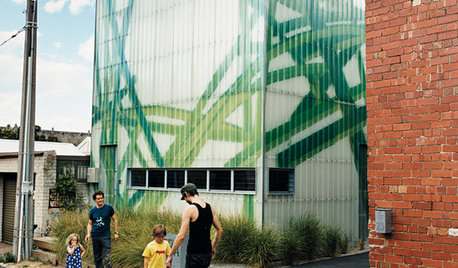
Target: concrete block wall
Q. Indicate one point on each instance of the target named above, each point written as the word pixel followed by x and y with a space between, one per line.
pixel 412 106
pixel 45 179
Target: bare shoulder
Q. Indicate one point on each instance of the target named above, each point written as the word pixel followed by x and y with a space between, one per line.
pixel 189 210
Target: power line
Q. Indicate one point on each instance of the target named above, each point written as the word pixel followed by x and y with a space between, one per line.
pixel 13 36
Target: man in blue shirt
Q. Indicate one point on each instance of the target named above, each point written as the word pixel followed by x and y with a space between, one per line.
pixel 98 228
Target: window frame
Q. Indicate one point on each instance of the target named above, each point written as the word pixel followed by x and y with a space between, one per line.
pixel 289 191
pixel 186 172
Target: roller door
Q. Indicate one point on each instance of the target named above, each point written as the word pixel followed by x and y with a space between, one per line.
pixel 9 200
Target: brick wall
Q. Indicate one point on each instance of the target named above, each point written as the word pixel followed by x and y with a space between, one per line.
pixel 412 103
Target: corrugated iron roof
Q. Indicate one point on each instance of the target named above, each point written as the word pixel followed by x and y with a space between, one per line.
pixel 68 149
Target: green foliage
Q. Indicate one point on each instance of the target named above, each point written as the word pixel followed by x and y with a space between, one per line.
pixel 331 240
pixel 70 222
pixel 238 231
pixel 261 252
pixel 7 257
pixel 343 245
pixel 13 134
pixel 66 191
pixel 306 230
pixel 135 229
pixel 307 238
pixel 242 241
pixel 9 133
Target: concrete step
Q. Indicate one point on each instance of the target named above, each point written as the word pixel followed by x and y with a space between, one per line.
pixel 44 242
pixel 45 256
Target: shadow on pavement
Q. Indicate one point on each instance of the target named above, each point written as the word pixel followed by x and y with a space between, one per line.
pixel 353 261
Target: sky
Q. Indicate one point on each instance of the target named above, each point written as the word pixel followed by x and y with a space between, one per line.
pixel 64 63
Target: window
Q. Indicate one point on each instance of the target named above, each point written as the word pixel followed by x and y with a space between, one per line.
pixel 220 179
pixel 156 178
pixel 281 180
pixel 175 178
pixel 229 180
pixel 198 177
pixel 81 172
pixel 138 178
pixel 244 180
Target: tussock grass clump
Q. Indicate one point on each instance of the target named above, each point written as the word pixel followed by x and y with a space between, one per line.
pixel 306 237
pixel 135 232
pixel 261 252
pixel 331 241
pixel 244 242
pixel 236 237
pixel 307 231
pixel 135 229
pixel 70 222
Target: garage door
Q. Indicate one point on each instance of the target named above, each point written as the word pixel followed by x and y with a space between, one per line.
pixel 9 201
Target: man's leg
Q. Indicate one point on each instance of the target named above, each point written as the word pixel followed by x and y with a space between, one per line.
pixel 198 260
pixel 106 251
pixel 97 250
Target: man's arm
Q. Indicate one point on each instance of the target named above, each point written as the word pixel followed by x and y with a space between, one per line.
pixel 185 219
pixel 115 222
pixel 218 233
pixel 89 230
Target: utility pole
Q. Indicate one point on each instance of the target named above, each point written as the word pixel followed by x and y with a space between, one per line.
pixel 23 217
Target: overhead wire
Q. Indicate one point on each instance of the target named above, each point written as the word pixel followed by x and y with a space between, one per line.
pixel 13 36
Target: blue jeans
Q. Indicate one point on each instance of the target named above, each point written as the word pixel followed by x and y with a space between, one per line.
pixel 101 246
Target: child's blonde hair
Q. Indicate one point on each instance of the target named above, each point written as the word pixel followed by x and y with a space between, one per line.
pixel 159 229
pixel 70 237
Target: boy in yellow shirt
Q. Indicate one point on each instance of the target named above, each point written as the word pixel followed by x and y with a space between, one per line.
pixel 158 250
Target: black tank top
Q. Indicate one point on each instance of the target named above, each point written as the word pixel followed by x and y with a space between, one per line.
pixel 199 231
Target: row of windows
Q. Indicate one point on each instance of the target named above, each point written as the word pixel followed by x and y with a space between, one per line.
pixel 208 180
pixel 231 180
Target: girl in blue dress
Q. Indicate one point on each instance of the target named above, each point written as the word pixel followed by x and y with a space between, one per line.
pixel 75 252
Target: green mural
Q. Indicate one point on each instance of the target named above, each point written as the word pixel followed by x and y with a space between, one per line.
pixel 331 31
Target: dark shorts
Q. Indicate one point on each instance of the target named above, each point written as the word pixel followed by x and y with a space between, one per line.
pixel 198 260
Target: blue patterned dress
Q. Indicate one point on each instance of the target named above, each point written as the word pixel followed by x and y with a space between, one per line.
pixel 74 260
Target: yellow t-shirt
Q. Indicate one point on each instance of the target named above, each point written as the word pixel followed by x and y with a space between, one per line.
pixel 157 253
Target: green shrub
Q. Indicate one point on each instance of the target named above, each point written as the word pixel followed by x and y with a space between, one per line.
pixel 343 245
pixel 289 250
pixel 70 222
pixel 331 240
pixel 305 232
pixel 8 257
pixel 135 228
pixel 262 249
pixel 238 231
pixel 243 242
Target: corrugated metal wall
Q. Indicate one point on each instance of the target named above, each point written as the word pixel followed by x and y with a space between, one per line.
pixel 315 109
pixel 177 84
pixel 182 84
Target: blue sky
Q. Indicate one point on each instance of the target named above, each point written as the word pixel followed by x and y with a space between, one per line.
pixel 64 63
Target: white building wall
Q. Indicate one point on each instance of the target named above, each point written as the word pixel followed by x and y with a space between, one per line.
pixel 45 179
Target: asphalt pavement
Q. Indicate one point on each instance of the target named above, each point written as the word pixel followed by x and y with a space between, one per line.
pixel 352 261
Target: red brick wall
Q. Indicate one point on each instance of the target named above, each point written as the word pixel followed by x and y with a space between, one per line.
pixel 412 107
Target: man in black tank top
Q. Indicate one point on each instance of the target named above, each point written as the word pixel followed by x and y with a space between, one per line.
pixel 199 217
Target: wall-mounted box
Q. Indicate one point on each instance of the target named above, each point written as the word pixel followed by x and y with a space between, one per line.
pixel 383 221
